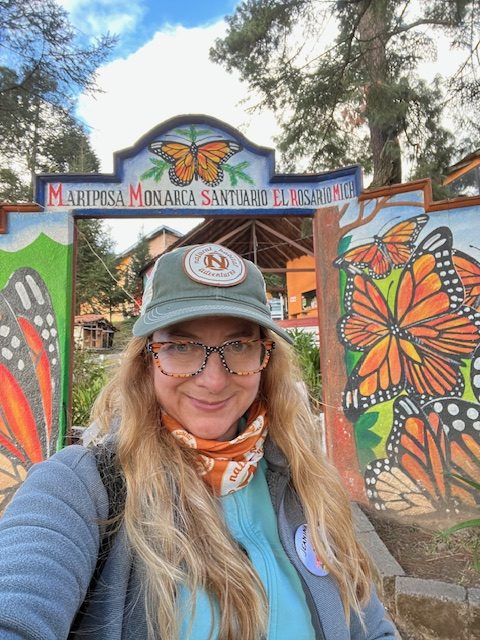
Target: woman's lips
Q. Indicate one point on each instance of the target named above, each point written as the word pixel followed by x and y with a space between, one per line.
pixel 206 405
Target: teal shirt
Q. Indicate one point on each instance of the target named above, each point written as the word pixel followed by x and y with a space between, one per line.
pixel 252 522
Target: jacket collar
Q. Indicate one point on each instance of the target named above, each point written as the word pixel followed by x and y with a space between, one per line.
pixel 275 458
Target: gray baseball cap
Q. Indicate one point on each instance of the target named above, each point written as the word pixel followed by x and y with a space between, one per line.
pixel 204 280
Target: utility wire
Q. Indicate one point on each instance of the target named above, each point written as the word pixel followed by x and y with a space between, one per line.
pixel 117 282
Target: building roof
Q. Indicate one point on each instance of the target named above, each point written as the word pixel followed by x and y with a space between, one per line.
pixel 93 318
pixel 463 166
pixel 269 241
pixel 150 236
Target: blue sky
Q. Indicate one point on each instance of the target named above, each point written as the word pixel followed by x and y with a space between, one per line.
pixel 188 13
pixel 136 21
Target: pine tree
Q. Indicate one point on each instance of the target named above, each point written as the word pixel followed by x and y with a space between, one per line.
pixel 360 98
pixel 133 274
pixel 96 284
pixel 43 55
pixel 44 65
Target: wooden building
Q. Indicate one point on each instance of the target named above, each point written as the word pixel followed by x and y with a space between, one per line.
pixel 93 331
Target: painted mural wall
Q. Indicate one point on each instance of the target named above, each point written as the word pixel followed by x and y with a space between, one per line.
pixel 403 359
pixel 35 309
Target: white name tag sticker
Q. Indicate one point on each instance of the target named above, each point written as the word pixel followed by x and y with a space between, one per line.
pixel 306 552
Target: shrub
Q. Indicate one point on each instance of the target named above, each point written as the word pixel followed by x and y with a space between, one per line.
pixel 89 376
pixel 309 358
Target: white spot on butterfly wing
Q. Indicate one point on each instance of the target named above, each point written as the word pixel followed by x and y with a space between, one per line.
pixel 23 295
pixel 453 409
pixel 35 289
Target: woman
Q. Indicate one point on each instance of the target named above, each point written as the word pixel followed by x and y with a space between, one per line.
pixel 229 523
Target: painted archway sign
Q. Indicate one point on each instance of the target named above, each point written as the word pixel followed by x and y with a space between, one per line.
pixel 199 166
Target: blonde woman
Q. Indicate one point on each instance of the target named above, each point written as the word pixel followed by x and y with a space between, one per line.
pixel 213 511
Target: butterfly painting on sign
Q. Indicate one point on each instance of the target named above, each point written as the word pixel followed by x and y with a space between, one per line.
pixel 30 375
pixel 195 157
pixel 392 249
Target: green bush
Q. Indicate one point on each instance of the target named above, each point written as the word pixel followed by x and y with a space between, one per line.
pixel 309 358
pixel 89 376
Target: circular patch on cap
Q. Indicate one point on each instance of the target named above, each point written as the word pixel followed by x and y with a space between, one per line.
pixel 306 552
pixel 214 265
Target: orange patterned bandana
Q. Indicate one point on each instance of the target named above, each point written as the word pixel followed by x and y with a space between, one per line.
pixel 227 466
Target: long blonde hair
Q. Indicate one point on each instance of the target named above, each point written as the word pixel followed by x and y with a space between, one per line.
pixel 174 524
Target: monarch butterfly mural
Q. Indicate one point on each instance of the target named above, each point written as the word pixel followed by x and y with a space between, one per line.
pixel 30 375
pixel 427 443
pixel 419 346
pixel 469 271
pixel 392 249
pixel 193 161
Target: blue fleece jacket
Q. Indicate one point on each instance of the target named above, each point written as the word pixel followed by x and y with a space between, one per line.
pixel 49 541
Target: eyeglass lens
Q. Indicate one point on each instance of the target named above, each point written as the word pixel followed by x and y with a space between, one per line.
pixel 187 358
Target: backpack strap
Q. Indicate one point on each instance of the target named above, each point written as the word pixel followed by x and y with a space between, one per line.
pixel 114 484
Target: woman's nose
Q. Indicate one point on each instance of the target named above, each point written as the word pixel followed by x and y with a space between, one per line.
pixel 214 376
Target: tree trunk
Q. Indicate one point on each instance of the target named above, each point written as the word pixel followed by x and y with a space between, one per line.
pixel 372 29
pixel 341 446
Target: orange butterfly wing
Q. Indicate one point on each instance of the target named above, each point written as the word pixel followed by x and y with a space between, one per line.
pixel 210 157
pixel 30 375
pixel 398 242
pixel 425 445
pixel 367 255
pixel 393 249
pixel 181 156
pixel 378 375
pixel 469 271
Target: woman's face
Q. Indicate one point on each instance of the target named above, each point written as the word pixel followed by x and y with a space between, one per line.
pixel 209 404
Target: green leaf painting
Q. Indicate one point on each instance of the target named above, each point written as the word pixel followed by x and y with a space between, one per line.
pixel 236 173
pixel 156 172
pixel 366 439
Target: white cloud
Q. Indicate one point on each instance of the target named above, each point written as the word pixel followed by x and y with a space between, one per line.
pixel 169 76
